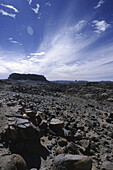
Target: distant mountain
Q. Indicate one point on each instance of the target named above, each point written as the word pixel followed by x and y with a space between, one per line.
pixel 69 81
pixel 34 77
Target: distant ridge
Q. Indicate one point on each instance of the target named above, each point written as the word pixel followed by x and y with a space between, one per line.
pixel 34 77
pixel 70 81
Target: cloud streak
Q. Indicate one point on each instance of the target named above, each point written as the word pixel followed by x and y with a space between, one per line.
pixel 10 7
pixel 30 1
pixel 100 3
pixel 13 41
pixel 7 14
pixel 36 10
pixel 63 54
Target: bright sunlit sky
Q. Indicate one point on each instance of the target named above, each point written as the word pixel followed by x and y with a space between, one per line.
pixel 60 39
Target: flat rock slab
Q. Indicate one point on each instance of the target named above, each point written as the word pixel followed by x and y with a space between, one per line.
pixel 22 121
pixel 56 123
pixel 72 162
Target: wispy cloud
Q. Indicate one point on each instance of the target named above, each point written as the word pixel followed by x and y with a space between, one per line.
pixel 48 4
pixel 7 14
pixel 13 41
pixel 30 1
pixel 36 10
pixel 100 26
pixel 38 54
pixel 100 3
pixel 61 63
pixel 78 26
pixel 10 7
pixel 64 55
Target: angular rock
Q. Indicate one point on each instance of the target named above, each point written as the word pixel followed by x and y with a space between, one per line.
pixel 43 124
pixel 22 121
pixel 86 144
pixel 39 117
pixel 30 113
pixel 107 165
pixel 72 162
pixel 56 124
pixel 72 148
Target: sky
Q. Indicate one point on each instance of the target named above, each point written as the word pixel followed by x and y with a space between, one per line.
pixel 60 39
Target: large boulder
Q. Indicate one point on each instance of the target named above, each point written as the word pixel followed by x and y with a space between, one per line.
pixel 17 76
pixel 13 162
pixel 72 162
pixel 107 165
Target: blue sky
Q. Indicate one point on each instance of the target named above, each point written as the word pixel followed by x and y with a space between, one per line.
pixel 61 39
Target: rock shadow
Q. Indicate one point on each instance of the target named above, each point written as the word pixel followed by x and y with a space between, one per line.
pixel 33 160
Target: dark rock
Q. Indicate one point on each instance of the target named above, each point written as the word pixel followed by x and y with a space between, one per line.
pixel 43 124
pixel 62 142
pixel 78 136
pixel 56 125
pixel 72 162
pixel 111 115
pixel 39 117
pixel 86 144
pixel 72 148
pixel 30 113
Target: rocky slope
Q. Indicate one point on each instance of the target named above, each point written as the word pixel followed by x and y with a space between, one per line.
pixel 56 126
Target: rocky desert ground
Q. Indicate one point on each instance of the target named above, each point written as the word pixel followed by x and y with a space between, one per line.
pixel 56 126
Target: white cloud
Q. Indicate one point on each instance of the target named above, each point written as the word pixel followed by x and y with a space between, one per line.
pixel 3 70
pixel 64 55
pixel 30 1
pixel 10 39
pixel 7 14
pixel 99 4
pixel 61 63
pixel 100 26
pixel 36 10
pixel 13 41
pixel 10 7
pixel 48 4
pixel 38 54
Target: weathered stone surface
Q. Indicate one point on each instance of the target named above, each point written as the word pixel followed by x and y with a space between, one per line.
pixel 107 165
pixel 72 148
pixel 86 146
pixel 84 120
pixel 13 162
pixel 56 124
pixel 22 121
pixel 72 162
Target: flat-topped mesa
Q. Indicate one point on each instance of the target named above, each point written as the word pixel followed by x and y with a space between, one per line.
pixel 34 77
